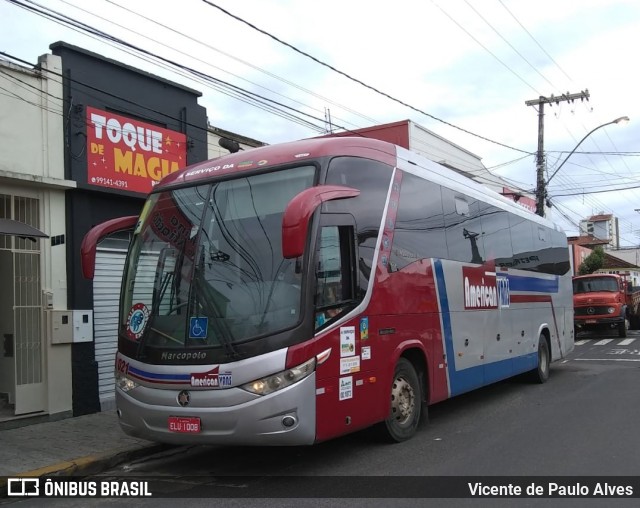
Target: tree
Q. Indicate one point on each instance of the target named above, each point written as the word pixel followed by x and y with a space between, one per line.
pixel 593 261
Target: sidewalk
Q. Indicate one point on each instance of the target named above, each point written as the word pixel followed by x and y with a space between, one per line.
pixel 74 446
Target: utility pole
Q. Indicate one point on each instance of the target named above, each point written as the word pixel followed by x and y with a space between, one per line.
pixel 541 191
pixel 328 127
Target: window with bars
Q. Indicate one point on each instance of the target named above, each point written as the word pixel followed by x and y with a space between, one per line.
pixel 23 209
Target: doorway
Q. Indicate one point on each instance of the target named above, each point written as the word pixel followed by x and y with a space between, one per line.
pixel 22 384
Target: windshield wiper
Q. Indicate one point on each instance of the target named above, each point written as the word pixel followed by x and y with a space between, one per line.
pixel 201 288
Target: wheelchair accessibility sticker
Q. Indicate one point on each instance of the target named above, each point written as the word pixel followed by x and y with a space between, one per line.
pixel 198 327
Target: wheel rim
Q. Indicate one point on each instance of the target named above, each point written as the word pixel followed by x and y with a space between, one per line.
pixel 403 400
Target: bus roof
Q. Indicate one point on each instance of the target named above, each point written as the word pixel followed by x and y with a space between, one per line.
pixel 297 151
pixel 282 153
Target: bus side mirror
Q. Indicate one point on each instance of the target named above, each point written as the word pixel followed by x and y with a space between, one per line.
pixel 295 220
pixel 93 237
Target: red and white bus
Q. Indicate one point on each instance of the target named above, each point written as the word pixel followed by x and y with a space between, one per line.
pixel 294 293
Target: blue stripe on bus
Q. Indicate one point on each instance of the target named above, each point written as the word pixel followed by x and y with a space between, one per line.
pixel 523 283
pixel 159 377
pixel 525 363
pixel 461 381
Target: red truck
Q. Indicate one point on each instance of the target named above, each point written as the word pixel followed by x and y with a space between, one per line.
pixel 605 301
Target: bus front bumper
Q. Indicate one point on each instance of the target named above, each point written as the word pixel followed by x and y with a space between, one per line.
pixel 285 417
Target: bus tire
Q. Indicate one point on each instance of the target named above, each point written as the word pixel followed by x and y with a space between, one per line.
pixel 541 373
pixel 406 404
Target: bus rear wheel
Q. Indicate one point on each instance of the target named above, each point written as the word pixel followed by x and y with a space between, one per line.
pixel 406 403
pixel 541 373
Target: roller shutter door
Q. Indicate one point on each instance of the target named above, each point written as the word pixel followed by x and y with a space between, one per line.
pixel 106 295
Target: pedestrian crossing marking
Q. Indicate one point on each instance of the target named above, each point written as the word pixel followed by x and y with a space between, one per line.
pixel 608 359
pixel 603 342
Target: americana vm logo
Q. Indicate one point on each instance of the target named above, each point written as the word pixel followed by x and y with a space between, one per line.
pixel 484 289
pixel 211 379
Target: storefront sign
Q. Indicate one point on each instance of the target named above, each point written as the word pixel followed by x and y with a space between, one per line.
pixel 130 155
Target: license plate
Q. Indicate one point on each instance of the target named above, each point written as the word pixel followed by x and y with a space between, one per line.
pixel 590 321
pixel 184 425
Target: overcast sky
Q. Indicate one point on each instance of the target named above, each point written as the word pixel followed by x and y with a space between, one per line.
pixel 469 63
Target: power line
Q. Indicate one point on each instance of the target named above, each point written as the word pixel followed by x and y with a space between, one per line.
pixel 601 191
pixel 570 182
pixel 342 73
pixel 24 85
pixel 248 64
pixel 604 152
pixel 484 47
pixel 237 92
pixel 534 40
pixel 564 212
pixel 510 45
pixel 561 69
pixel 192 56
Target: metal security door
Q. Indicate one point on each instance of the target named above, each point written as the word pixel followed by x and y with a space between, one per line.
pixel 27 313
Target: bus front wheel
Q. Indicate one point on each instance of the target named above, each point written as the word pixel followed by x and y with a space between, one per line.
pixel 406 403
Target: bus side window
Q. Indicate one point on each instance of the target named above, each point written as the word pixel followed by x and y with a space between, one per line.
pixel 463 228
pixel 335 288
pixel 496 235
pixel 419 230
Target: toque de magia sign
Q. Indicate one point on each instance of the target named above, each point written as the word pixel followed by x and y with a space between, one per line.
pixel 127 154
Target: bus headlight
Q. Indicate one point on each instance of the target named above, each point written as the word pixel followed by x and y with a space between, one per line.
pixel 124 383
pixel 611 310
pixel 275 382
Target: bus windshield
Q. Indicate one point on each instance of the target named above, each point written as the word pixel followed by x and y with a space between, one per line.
pixel 206 267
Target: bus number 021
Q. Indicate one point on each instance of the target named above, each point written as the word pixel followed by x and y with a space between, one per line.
pixel 122 366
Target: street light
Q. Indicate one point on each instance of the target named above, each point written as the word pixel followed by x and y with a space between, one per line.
pixel 542 192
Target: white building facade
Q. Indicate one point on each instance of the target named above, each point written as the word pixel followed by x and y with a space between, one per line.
pixel 216 136
pixel 602 227
pixel 35 374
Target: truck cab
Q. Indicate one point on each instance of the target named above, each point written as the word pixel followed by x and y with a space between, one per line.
pixel 603 302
